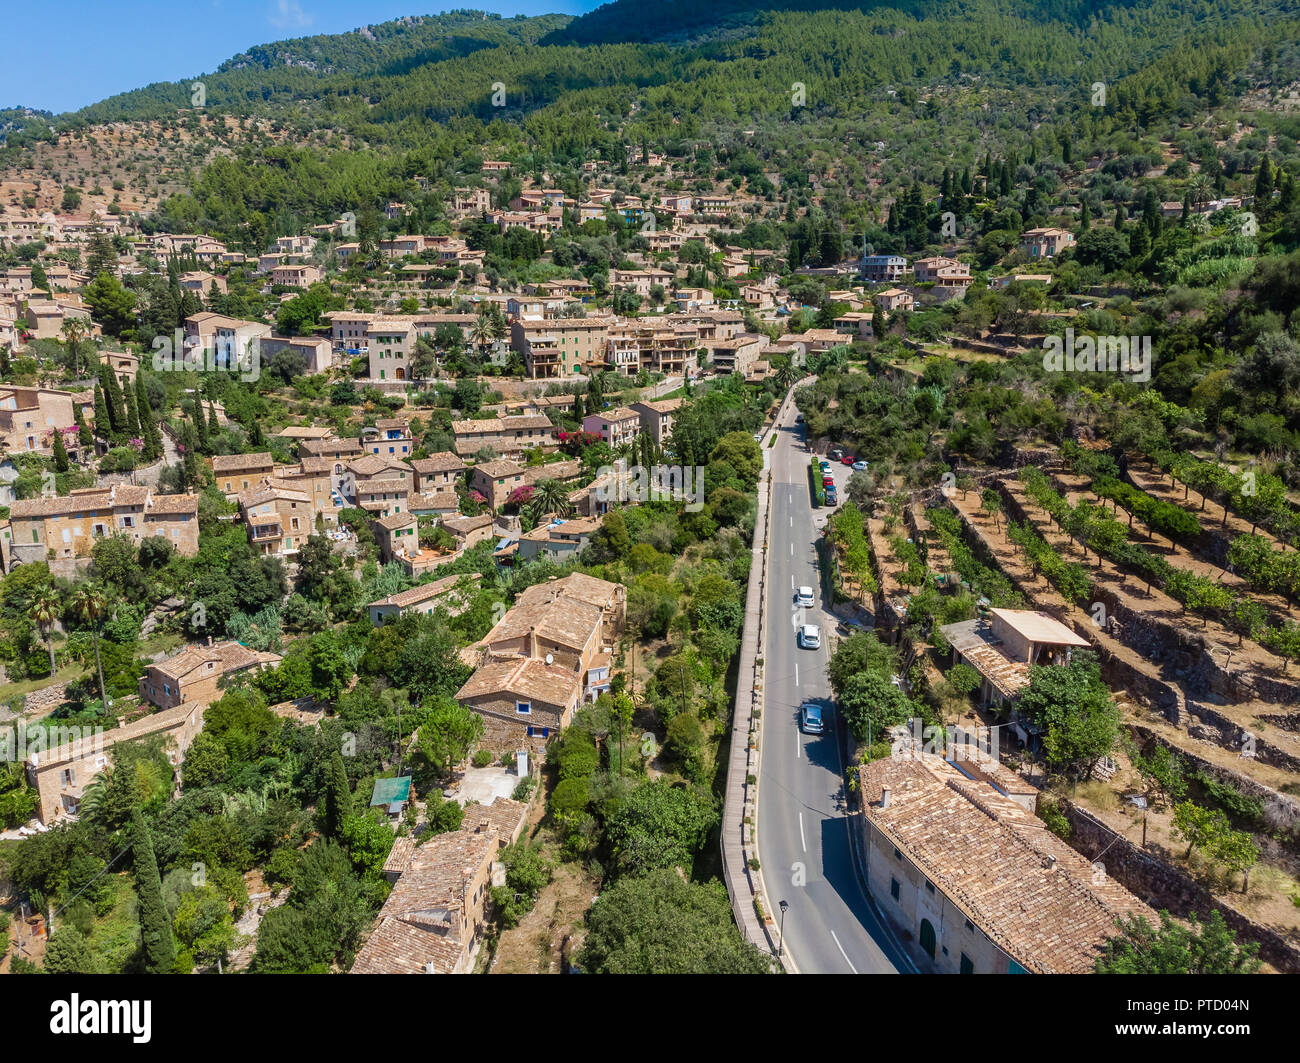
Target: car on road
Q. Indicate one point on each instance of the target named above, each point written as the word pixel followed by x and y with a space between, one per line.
pixel 831 497
pixel 859 466
pixel 758 437
pixel 810 718
pixel 810 637
pixel 834 453
pixel 848 459
pixel 798 419
pixel 803 596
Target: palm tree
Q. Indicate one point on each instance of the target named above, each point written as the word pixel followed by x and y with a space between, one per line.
pixel 786 376
pixel 74 331
pixel 549 496
pixel 45 611
pixel 1200 187
pixel 91 607
pixel 481 332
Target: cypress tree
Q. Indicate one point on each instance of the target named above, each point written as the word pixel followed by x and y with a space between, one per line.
pixel 132 416
pixel 102 423
pixel 1264 185
pixel 214 426
pixel 577 409
pixel 84 436
pixel 149 431
pixel 200 427
pixel 338 798
pixel 60 453
pixel 1085 218
pixel 155 924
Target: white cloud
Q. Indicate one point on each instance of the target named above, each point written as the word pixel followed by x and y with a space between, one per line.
pixel 289 15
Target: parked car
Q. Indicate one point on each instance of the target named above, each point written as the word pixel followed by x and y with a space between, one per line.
pixel 848 459
pixel 834 453
pixel 810 637
pixel 804 596
pixel 831 497
pixel 826 465
pixel 758 437
pixel 798 419
pixel 828 480
pixel 859 466
pixel 810 718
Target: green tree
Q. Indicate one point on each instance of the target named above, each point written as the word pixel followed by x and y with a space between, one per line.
pixel 1201 948
pixel 448 735
pixel 661 924
pixel 660 825
pixel 1075 708
pixel 68 952
pixel 91 607
pixel 338 796
pixel 157 944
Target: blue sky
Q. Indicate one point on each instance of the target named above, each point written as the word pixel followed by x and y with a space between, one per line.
pixel 101 48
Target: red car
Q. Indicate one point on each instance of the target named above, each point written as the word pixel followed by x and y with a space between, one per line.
pixel 828 481
pixel 848 459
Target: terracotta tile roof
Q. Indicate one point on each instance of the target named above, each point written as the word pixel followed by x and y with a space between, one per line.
pixel 442 461
pixel 440 501
pixel 373 464
pixel 227 656
pixel 499 468
pixel 1034 896
pixel 465 525
pixel 329 446
pixel 525 678
pixel 421 923
pixel 397 520
pixel 422 593
pixel 173 505
pixel 238 462
pixel 501 424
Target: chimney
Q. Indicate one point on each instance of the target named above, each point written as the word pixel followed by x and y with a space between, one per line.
pixel 885 794
pixel 483 826
pixel 1051 863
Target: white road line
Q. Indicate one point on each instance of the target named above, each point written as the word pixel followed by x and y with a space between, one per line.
pixel 796 744
pixel 796 675
pixel 804 842
pixel 792 549
pixel 843 953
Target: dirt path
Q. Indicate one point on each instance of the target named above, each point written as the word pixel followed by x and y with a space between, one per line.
pixel 535 946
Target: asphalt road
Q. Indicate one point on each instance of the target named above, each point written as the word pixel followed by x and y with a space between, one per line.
pixel 803 837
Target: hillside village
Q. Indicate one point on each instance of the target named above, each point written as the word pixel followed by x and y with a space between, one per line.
pixel 407 559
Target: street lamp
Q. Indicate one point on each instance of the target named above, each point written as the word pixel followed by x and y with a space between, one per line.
pixel 781 948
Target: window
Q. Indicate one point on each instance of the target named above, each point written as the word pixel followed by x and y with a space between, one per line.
pixel 897 855
pixel 929 886
pixel 524 708
pixel 893 888
pixel 967 966
pixel 970 926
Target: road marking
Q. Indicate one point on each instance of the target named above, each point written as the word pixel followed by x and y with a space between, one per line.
pixel 796 743
pixel 843 953
pixel 792 549
pixel 804 842
pixel 796 675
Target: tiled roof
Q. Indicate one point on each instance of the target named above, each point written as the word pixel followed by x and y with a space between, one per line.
pixel 421 923
pixel 238 462
pixel 526 678
pixel 442 461
pixel 425 591
pixel 1035 897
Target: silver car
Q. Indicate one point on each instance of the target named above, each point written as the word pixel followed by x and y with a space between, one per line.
pixel 810 637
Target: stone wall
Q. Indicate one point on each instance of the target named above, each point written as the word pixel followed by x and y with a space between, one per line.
pixel 45 700
pixel 1166 887
pixel 1281 811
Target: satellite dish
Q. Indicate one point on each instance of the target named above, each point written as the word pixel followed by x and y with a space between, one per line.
pixel 550 659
